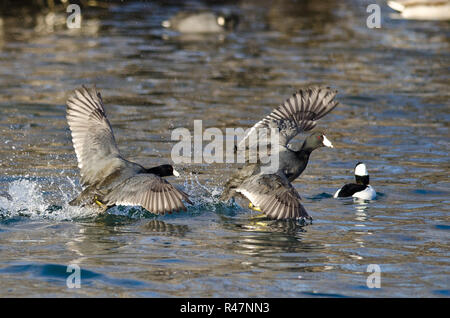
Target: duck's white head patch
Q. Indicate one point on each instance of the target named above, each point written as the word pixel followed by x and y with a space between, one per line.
pixel 361 170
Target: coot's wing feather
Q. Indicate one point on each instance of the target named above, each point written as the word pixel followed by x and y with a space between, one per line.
pixel 92 135
pixel 297 114
pixel 150 191
pixel 275 196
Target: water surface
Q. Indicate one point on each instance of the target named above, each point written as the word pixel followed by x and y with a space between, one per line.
pixel 393 87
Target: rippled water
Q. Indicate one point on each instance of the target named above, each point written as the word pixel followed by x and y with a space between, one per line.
pixel 393 86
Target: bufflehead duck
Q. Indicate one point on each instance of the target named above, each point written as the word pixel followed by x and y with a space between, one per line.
pixel 361 189
pixel 272 193
pixel 107 178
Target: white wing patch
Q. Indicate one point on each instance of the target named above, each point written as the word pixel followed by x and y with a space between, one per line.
pixel 336 195
pixel 367 194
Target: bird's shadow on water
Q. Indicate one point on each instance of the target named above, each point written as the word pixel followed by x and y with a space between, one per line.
pixel 146 222
pixel 151 225
pixel 265 225
pixel 234 217
pixel 159 227
pixel 265 238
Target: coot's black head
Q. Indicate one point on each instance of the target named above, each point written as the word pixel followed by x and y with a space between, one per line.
pixel 361 174
pixel 316 140
pixel 164 171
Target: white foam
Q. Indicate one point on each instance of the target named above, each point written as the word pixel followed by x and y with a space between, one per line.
pixel 200 193
pixel 28 200
pixel 205 196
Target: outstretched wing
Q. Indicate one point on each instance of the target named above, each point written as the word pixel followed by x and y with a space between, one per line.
pixel 276 197
pixel 297 114
pixel 150 191
pixel 92 135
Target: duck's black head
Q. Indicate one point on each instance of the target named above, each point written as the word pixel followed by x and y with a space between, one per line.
pixel 163 171
pixel 316 140
pixel 361 175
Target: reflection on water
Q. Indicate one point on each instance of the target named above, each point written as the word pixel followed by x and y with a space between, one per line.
pixel 393 85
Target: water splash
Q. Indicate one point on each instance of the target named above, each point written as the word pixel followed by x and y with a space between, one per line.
pixel 30 197
pixel 27 198
pixel 206 197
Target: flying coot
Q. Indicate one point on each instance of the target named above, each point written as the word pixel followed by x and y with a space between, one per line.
pixel 272 192
pixel 107 178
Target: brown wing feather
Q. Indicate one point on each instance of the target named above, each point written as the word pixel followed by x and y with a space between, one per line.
pixel 150 191
pixel 276 197
pixel 92 136
pixel 297 114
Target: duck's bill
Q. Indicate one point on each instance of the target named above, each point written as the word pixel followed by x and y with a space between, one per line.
pixel 176 173
pixel 326 142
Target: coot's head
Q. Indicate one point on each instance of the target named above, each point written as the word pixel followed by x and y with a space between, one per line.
pixel 164 171
pixel 317 140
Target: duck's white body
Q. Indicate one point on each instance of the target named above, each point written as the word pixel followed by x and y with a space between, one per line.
pixel 367 194
pixel 422 9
